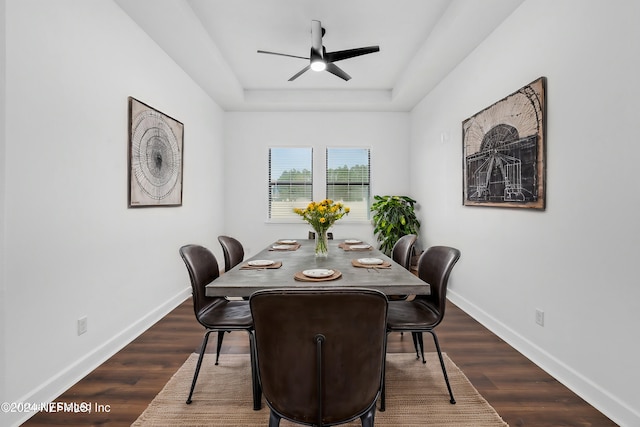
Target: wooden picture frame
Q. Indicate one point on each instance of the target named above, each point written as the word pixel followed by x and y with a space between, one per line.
pixel 504 151
pixel 155 157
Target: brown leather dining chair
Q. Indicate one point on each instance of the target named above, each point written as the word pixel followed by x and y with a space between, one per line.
pixel 425 312
pixel 312 235
pixel 309 369
pixel 216 314
pixel 403 250
pixel 401 253
pixel 232 250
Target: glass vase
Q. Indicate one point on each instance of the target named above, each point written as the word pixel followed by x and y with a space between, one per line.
pixel 322 244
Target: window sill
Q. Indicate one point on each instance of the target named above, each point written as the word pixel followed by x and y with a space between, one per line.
pixel 299 221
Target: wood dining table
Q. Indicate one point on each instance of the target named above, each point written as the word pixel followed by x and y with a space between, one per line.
pixel 293 257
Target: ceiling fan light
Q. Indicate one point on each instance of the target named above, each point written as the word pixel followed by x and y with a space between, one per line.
pixel 318 65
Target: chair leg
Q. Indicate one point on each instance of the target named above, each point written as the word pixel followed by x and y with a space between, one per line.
pixel 444 371
pixel 255 378
pixel 414 335
pixel 274 419
pixel 417 340
pixel 195 375
pixel 368 417
pixel 383 400
pixel 220 338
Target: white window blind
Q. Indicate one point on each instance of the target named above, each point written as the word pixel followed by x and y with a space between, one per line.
pixel 348 180
pixel 290 180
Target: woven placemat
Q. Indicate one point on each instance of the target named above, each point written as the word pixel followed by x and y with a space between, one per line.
pixel 302 278
pixel 348 247
pixel 246 266
pixel 285 247
pixel 384 264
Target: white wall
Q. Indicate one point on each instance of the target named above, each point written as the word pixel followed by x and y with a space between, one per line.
pixel 73 248
pixel 70 247
pixel 3 322
pixel 248 136
pixel 577 259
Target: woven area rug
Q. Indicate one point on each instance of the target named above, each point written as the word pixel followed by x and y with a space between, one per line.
pixel 416 396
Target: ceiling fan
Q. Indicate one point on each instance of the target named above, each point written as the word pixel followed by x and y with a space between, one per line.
pixel 321 60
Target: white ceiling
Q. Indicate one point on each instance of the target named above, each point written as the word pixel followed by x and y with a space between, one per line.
pixel 216 43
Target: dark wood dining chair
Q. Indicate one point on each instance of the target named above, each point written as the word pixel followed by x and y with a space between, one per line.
pixel 216 314
pixel 425 312
pixel 309 369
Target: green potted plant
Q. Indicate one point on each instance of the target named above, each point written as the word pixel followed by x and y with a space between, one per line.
pixel 393 217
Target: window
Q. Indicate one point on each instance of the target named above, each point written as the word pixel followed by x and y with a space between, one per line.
pixel 290 181
pixel 348 176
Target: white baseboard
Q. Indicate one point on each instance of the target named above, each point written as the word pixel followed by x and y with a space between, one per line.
pixel 55 386
pixel 600 399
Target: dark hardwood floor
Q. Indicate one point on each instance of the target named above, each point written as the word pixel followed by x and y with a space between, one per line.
pixel 521 393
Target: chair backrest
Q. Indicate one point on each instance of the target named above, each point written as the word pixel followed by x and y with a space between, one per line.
pixel 312 235
pixel 352 323
pixel 403 250
pixel 232 250
pixel 434 267
pixel 203 269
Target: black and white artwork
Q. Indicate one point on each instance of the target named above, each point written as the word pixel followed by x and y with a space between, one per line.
pixel 504 151
pixel 155 157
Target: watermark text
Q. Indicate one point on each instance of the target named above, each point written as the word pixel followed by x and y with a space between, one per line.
pixel 52 407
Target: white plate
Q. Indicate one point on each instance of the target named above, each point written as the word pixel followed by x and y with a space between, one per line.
pixel 352 241
pixel 318 272
pixel 281 246
pixel 261 262
pixel 287 242
pixel 360 246
pixel 370 261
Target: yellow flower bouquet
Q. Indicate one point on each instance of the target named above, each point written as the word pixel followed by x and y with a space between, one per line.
pixel 321 216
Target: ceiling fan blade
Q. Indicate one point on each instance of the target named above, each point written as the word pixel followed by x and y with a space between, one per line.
pixel 335 70
pixel 299 73
pixel 350 53
pixel 283 54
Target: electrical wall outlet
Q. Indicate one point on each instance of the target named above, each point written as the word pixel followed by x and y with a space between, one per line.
pixel 539 317
pixel 82 325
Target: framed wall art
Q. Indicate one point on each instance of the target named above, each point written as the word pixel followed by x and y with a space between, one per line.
pixel 155 157
pixel 504 151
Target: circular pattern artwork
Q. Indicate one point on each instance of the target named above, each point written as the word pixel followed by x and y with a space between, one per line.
pixel 155 157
